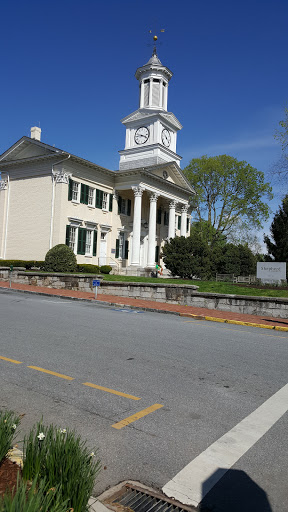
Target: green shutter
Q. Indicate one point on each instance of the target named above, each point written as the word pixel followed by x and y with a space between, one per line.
pixel 67 235
pixel 188 224
pixel 166 218
pixel 159 216
pixel 117 248
pixel 126 249
pixel 82 193
pixel 81 241
pixel 129 207
pixel 110 202
pixel 179 222
pixel 119 204
pixel 99 198
pixel 157 253
pixel 86 194
pixel 95 243
pixel 70 188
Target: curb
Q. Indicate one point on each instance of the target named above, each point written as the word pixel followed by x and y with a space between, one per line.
pixel 236 322
pixel 153 310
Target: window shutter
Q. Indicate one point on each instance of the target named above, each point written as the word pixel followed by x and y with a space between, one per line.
pixel 188 224
pixel 82 193
pixel 81 241
pixel 126 249
pixel 99 198
pixel 157 253
pixel 86 194
pixel 179 222
pixel 159 216
pixel 95 243
pixel 129 207
pixel 70 187
pixel 67 235
pixel 119 204
pixel 110 202
pixel 117 248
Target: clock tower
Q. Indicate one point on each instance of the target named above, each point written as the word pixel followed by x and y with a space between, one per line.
pixel 151 131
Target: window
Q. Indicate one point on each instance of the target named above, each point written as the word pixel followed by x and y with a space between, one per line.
pixel 166 218
pixel 158 219
pixel 124 206
pixel 122 247
pixel 105 201
pixel 91 196
pixel 75 191
pixel 88 244
pixel 188 224
pixel 71 237
pixel 179 222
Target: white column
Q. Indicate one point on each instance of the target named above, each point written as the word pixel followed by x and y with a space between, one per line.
pixel 183 229
pixel 165 96
pixel 152 230
pixel 171 227
pixel 142 94
pixel 138 191
pixel 150 92
pixel 161 94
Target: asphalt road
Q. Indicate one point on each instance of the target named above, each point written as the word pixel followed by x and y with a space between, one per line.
pixel 191 381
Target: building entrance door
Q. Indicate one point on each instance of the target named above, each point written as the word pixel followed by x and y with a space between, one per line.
pixel 103 250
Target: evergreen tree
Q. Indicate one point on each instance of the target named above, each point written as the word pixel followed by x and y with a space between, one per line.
pixel 277 245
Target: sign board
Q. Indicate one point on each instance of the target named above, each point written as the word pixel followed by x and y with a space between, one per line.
pixel 271 271
pixel 95 282
pixel 113 251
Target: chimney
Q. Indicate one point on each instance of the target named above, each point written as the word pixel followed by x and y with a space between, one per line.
pixel 36 133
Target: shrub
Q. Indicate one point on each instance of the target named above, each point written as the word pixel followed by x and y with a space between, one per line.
pixel 22 263
pixel 105 269
pixel 32 498
pixel 8 425
pixel 89 269
pixel 60 259
pixel 187 257
pixel 60 457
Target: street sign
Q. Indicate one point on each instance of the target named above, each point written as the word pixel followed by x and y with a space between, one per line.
pixel 95 284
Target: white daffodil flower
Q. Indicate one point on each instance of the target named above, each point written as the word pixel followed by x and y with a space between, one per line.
pixel 14 426
pixel 63 431
pixel 92 454
pixel 41 436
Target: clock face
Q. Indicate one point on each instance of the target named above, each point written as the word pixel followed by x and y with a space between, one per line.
pixel 141 135
pixel 166 137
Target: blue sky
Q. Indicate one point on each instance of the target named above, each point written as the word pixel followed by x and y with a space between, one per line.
pixel 70 67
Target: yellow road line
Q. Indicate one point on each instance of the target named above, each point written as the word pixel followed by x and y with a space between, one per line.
pixel 113 391
pixel 137 416
pixel 10 360
pixel 51 373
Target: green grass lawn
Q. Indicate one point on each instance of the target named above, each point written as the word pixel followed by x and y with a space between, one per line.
pixel 207 286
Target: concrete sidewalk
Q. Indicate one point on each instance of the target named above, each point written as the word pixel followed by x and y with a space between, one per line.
pixel 161 307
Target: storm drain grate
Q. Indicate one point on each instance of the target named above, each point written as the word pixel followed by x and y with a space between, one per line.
pixel 136 499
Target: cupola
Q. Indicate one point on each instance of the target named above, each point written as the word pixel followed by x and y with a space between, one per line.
pixel 153 82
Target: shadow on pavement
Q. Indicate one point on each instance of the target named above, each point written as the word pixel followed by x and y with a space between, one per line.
pixel 233 491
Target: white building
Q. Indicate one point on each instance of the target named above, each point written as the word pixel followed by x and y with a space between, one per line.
pixel 118 218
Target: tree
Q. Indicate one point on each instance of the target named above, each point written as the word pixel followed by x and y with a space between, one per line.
pixel 227 190
pixel 187 257
pixel 280 169
pixel 277 245
pixel 60 259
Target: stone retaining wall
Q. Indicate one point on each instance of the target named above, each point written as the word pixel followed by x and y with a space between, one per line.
pixel 158 291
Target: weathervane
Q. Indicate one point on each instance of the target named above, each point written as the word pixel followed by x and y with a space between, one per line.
pixel 155 39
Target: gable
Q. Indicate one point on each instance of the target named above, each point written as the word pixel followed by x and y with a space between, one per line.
pixel 175 175
pixel 27 148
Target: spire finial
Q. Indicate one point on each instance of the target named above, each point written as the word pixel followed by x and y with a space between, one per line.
pixel 155 39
